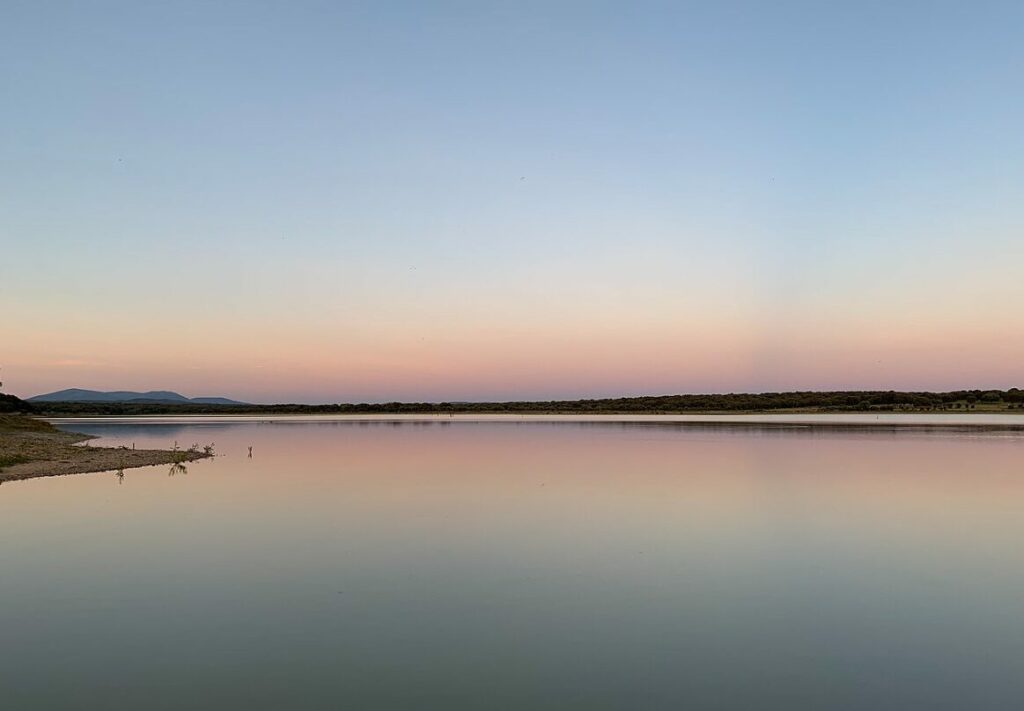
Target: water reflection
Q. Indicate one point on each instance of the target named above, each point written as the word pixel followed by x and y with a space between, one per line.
pixel 523 565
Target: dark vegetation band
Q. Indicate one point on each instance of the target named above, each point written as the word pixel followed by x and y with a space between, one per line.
pixel 836 401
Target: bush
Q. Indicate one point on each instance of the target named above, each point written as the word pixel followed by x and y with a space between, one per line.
pixel 10 403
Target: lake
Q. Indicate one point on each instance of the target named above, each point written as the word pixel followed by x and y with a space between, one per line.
pixel 518 563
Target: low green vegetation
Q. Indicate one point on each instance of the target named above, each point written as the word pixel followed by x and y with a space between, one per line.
pixel 20 436
pixel 21 423
pixel 9 460
pixel 1011 400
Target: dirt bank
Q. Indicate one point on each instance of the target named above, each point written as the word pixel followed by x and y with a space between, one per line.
pixel 32 448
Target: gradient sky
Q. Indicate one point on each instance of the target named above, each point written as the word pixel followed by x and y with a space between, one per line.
pixel 326 201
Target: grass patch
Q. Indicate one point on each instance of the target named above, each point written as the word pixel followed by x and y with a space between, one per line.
pixel 24 423
pixel 9 460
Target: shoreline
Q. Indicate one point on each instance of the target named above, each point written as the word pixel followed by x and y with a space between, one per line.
pixel 1014 414
pixel 887 420
pixel 31 449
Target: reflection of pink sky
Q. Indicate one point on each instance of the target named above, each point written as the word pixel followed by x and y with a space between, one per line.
pixel 527 482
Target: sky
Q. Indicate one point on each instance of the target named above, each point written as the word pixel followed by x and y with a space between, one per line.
pixel 350 202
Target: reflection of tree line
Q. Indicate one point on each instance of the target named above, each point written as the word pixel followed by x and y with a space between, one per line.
pixel 149 430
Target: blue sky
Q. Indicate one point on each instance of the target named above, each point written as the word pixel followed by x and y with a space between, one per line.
pixel 401 191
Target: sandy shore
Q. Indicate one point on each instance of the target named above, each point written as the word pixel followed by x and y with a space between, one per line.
pixel 31 448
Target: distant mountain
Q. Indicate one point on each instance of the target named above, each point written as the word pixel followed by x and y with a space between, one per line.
pixel 154 396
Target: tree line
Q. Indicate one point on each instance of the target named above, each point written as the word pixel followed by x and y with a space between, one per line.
pixel 835 401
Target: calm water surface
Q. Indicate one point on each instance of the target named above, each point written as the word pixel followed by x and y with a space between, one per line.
pixel 526 565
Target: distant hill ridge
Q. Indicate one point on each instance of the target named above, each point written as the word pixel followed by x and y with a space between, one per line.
pixel 153 396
